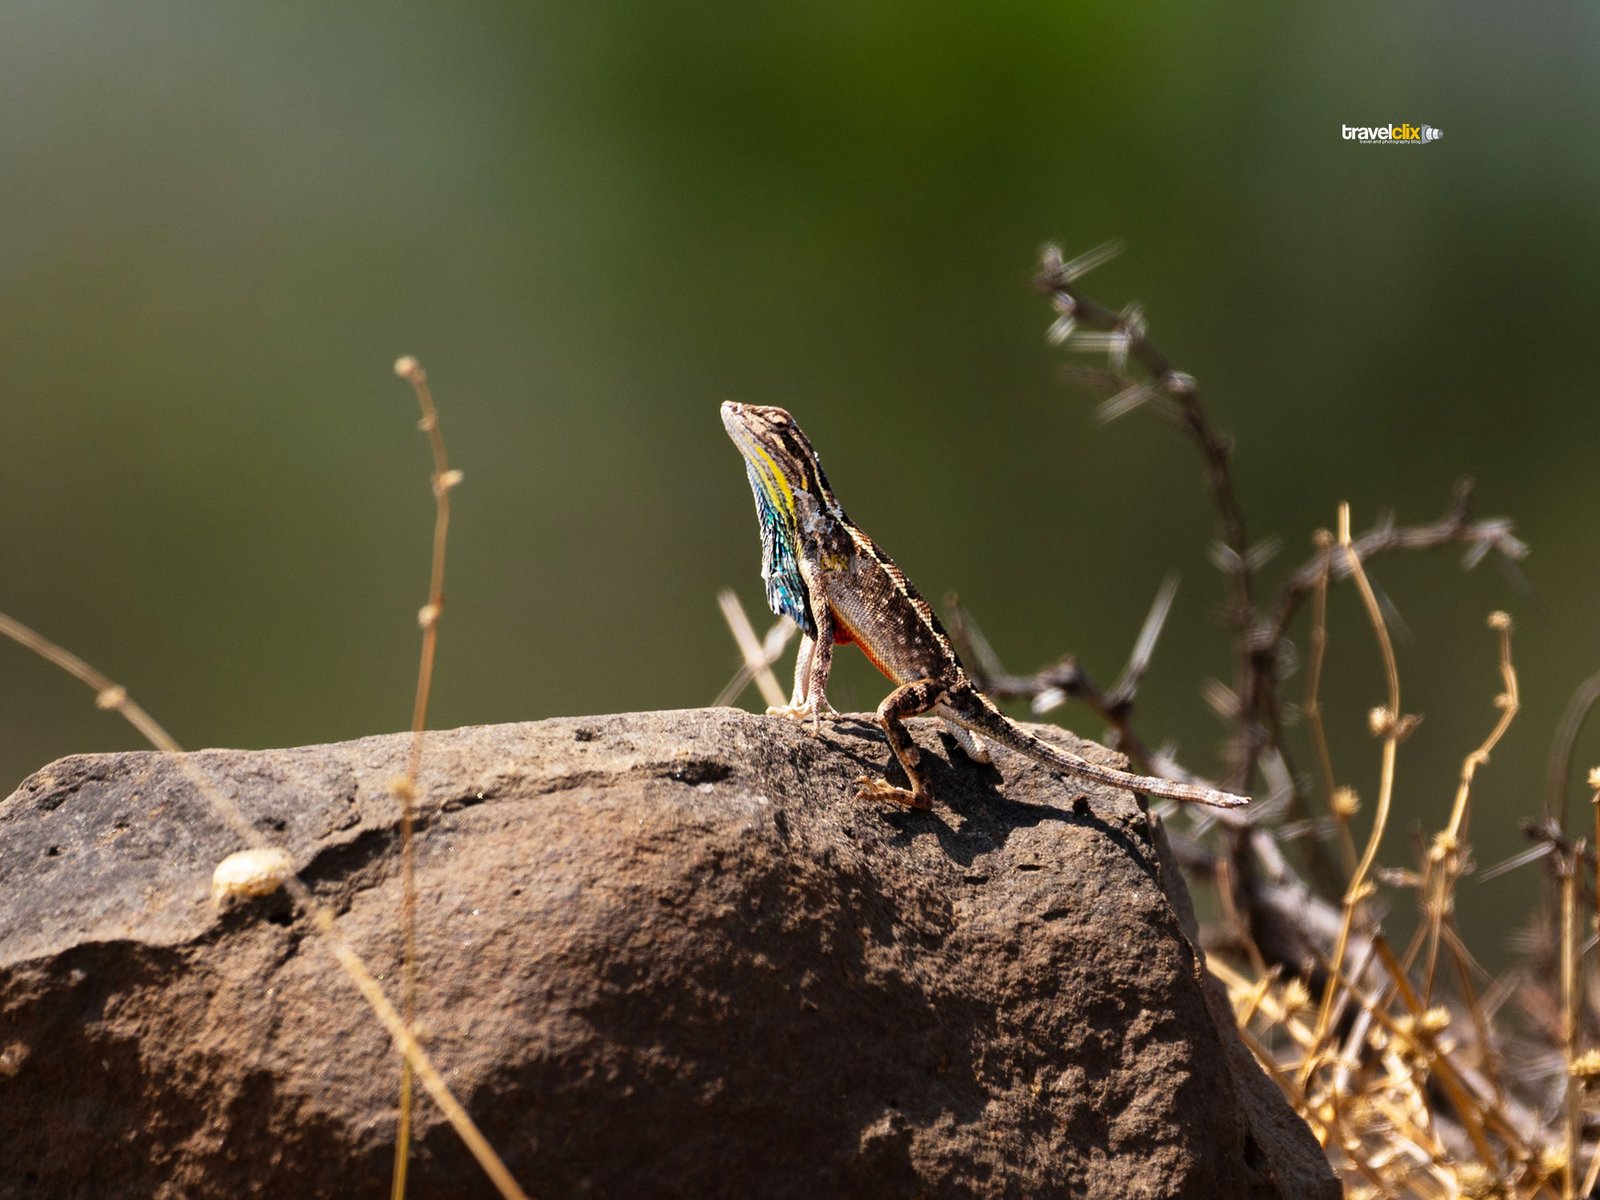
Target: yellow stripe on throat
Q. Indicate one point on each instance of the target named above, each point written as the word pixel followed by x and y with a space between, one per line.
pixel 771 475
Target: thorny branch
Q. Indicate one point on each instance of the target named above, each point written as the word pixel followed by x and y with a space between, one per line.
pixel 1559 765
pixel 1259 633
pixel 1128 338
pixel 1052 686
pixel 1457 527
pixel 1047 687
pixel 1450 1088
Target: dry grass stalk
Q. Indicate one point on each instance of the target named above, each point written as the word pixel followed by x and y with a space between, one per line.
pixel 1392 727
pixel 1312 705
pixel 404 787
pixel 1410 1098
pixel 113 697
pixel 758 654
pixel 1570 865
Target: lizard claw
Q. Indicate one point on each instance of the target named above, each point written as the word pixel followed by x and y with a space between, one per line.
pixel 870 788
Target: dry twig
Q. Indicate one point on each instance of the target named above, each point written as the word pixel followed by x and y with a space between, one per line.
pixel 404 787
pixel 114 697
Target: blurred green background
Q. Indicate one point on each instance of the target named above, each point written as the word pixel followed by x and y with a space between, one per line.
pixel 219 225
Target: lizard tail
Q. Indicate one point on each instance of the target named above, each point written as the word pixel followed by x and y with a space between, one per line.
pixel 1009 735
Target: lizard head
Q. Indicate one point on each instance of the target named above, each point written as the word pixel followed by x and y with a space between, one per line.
pixel 790 489
pixel 778 455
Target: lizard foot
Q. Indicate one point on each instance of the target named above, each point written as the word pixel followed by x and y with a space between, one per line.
pixel 810 711
pixel 870 788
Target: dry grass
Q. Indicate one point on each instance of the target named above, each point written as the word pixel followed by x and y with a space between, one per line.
pixel 404 787
pixel 1410 1064
pixel 1396 1070
pixel 414 1059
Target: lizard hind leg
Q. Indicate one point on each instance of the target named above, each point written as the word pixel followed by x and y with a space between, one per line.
pixel 968 742
pixel 909 701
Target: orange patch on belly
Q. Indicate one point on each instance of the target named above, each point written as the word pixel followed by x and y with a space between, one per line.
pixel 843 635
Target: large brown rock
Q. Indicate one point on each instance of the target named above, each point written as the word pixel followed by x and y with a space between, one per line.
pixel 663 954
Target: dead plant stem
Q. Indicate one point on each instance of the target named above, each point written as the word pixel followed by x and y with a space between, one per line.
pixel 405 788
pixel 113 697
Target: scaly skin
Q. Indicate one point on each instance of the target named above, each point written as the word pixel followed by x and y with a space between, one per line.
pixel 838 586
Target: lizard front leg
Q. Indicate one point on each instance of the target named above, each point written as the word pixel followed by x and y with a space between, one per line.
pixel 909 701
pixel 802 681
pixel 812 666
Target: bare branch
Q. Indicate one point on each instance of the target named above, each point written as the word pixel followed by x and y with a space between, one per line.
pixel 1457 527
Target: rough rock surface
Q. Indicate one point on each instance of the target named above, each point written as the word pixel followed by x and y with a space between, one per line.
pixel 664 954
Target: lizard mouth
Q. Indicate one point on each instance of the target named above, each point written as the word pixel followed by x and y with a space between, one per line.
pixel 741 428
pixel 735 422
